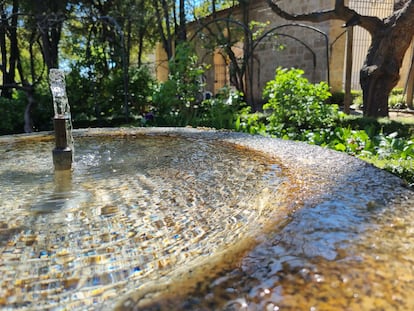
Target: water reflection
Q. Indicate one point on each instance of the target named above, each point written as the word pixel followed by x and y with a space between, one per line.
pixel 347 253
pixel 132 211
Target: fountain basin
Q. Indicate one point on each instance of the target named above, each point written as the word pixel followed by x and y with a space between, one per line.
pixel 98 236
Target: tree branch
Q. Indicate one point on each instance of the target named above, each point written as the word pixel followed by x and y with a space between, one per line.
pixel 340 12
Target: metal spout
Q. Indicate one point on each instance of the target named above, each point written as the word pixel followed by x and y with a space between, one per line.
pixel 62 154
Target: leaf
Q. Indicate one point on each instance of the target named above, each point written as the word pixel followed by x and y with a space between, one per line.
pixel 340 147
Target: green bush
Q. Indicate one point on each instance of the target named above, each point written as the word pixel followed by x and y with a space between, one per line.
pixel 12 112
pixel 177 101
pixel 375 126
pixel 296 110
pixel 294 104
pixel 42 113
pixel 221 110
pixel 337 98
pixel 141 88
pixel 357 100
pixel 252 123
pixel 85 94
pixel 100 100
pixel 396 99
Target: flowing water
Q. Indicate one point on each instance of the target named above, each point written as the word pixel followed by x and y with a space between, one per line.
pixel 132 210
pixel 331 256
pixel 183 223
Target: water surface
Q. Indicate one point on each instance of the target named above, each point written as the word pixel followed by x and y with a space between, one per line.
pixel 133 210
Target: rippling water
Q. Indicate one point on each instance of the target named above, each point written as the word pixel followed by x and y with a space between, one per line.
pixel 132 211
pixel 351 248
pixel 161 223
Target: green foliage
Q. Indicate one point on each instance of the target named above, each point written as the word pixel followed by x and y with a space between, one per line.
pixel 387 151
pixel 337 98
pixel 296 105
pixel 12 112
pixel 252 123
pixel 99 100
pixel 357 100
pixel 396 99
pixel 391 146
pixel 395 155
pixel 296 110
pixel 177 100
pixel 221 111
pixel 203 8
pixel 83 92
pixel 43 111
pixel 372 126
pixel 141 88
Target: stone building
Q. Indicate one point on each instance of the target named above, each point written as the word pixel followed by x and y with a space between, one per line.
pixel 317 48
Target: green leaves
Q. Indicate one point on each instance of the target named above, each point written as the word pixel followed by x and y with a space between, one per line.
pixel 176 101
pixel 297 110
pixel 179 101
pixel 296 103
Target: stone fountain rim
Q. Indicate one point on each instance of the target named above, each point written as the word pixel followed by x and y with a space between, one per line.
pixel 291 154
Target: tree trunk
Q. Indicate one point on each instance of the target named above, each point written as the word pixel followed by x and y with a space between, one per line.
pixel 381 70
pixel 8 66
pixel 31 103
pixel 378 76
pixel 182 32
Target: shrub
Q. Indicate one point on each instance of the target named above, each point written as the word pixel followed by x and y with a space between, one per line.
pixel 221 110
pixel 337 98
pixel 295 104
pixel 177 101
pixel 98 100
pixel 357 100
pixel 296 110
pixel 252 123
pixel 396 99
pixel 12 112
pixel 141 88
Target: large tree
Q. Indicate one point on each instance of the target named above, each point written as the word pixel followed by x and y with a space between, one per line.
pixel 390 39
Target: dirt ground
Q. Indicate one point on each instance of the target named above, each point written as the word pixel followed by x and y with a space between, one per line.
pixel 396 114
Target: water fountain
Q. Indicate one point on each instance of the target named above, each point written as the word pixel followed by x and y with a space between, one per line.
pixel 63 151
pixel 178 218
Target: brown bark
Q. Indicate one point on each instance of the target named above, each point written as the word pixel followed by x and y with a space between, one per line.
pixel 381 70
pixel 31 102
pixel 50 28
pixel 182 32
pixel 10 54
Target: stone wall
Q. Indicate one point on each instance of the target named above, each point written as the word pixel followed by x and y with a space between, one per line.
pixel 310 49
pixel 319 50
pixel 303 48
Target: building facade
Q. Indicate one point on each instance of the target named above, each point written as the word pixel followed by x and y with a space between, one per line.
pixel 317 48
